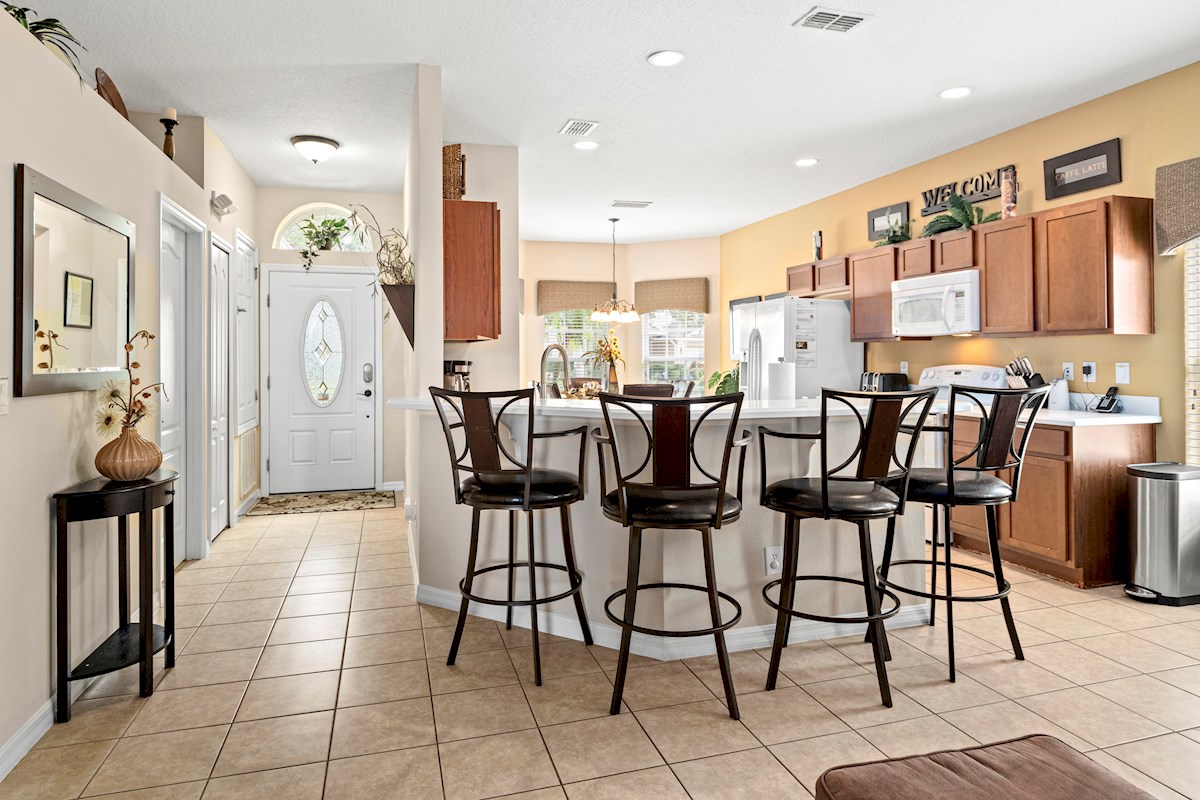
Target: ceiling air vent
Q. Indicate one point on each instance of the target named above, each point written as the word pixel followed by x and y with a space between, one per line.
pixel 630 203
pixel 578 127
pixel 830 19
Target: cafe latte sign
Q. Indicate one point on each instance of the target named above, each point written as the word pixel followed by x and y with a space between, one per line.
pixel 983 186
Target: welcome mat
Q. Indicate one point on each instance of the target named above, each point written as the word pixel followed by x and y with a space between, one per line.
pixel 307 502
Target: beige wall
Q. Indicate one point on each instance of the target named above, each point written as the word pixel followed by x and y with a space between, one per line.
pixel 189 137
pixel 1157 122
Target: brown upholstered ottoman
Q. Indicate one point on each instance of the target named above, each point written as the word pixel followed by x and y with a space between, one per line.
pixel 1030 768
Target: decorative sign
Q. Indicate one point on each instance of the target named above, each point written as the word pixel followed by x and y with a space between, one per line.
pixel 881 219
pixel 983 186
pixel 1089 168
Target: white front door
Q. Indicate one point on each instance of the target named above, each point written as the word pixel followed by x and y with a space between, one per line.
pixel 321 381
pixel 218 386
pixel 172 343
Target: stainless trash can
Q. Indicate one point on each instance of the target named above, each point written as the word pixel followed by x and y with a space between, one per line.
pixel 1165 533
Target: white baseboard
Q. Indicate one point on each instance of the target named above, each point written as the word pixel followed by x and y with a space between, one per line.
pixel 391 486
pixel 661 647
pixel 254 497
pixel 29 734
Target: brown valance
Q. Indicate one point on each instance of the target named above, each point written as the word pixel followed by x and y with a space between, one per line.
pixel 565 295
pixel 682 294
pixel 1176 204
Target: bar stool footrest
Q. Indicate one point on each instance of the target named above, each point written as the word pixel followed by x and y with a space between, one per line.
pixel 724 626
pixel 860 620
pixel 576 581
pixel 950 598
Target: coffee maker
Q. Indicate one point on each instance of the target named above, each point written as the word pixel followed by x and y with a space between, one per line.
pixel 456 375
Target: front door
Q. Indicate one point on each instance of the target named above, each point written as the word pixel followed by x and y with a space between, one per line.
pixel 218 385
pixel 320 382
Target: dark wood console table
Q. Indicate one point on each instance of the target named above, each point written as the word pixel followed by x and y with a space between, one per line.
pixel 101 498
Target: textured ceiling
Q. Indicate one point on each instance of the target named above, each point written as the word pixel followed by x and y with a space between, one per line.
pixel 711 141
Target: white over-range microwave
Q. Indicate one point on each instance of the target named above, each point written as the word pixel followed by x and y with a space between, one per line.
pixel 943 304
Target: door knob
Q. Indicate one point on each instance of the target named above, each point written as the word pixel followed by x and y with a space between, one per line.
pixel 367 393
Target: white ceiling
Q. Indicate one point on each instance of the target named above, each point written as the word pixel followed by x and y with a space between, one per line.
pixel 712 142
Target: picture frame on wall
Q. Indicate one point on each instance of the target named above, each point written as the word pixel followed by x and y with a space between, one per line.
pixel 1084 169
pixel 77 301
pixel 880 219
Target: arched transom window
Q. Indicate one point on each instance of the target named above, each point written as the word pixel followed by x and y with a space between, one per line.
pixel 288 235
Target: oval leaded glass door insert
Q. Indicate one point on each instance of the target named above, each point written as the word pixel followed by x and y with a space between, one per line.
pixel 321 353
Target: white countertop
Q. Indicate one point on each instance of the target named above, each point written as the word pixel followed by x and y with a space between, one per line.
pixel 1082 419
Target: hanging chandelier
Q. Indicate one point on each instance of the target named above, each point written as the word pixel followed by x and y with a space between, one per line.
pixel 614 311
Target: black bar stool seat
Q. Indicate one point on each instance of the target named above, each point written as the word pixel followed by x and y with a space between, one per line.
pixel 547 488
pixel 930 485
pixel 847 500
pixel 671 508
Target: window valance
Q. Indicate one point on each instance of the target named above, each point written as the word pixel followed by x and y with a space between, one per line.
pixel 683 294
pixel 565 295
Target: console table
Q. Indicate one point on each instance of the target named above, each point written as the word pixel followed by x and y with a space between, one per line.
pixel 101 498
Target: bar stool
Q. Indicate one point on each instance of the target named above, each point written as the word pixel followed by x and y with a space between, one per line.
pixel 671 496
pixel 500 480
pixel 1000 446
pixel 852 491
pixel 649 389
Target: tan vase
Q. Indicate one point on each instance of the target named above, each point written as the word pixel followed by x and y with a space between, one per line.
pixel 129 457
pixel 614 384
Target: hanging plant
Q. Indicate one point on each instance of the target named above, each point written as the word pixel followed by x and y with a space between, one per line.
pixel 325 234
pixel 960 215
pixel 392 259
pixel 50 32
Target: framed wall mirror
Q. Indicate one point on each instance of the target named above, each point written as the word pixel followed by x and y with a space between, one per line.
pixel 74 289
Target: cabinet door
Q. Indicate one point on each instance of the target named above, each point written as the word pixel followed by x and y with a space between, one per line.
pixel 871 276
pixel 801 279
pixel 1072 268
pixel 914 258
pixel 953 250
pixel 1004 253
pixel 832 275
pixel 472 270
pixel 1040 520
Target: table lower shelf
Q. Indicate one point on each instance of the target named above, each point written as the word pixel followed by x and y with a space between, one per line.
pixel 118 651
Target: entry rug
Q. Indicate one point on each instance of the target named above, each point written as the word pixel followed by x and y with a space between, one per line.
pixel 307 502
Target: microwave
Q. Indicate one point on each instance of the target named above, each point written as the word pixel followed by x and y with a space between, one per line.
pixel 943 304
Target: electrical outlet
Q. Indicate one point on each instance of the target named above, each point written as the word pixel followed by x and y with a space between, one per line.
pixel 774 559
pixel 1089 372
pixel 1122 372
pixel 904 367
pixel 5 394
pixel 1069 370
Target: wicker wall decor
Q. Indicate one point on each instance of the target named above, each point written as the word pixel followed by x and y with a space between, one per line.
pixel 454 172
pixel 681 294
pixel 566 295
pixel 1176 204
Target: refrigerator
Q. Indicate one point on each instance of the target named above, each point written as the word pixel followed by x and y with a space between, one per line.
pixel 792 347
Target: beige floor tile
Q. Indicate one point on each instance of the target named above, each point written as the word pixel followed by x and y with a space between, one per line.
pixel 471 671
pixel 810 662
pixel 227 613
pixel 376 776
pixel 1138 779
pixel 752 773
pixel 326 538
pixel 239 636
pixel 657 783
pixel 291 540
pixel 191 616
pixel 916 736
pixel 57 772
pixel 695 730
pixel 196 707
pixel 388 561
pixel 749 673
pixel 1011 678
pixel 999 722
pixel 1173 760
pixel 1062 623
pixel 1091 717
pixel 202 577
pixel 434 617
pixel 931 687
pixel 298 658
pixel 1076 664
pixel 384 620
pixel 1117 615
pixel 274 555
pixel 362 730
pixel 176 791
pixel 1135 653
pixel 933 641
pixel 275 743
pixel 856 701
pixel 495 765
pixel 786 714
pixel 295 783
pixel 597 747
pixel 1181 638
pixel 202 669
pixel 325 552
pixel 663 684
pixel 378 579
pixel 477 637
pixel 263 572
pixel 1161 702
pixel 1053 592
pixel 253 590
pixel 124 681
pixel 1017 602
pixel 384 536
pixel 906 644
pixel 384 648
pixel 483 712
pixel 1187 678
pixel 383 683
pixel 1172 614
pixel 161 759
pixel 197 595
pixel 292 694
pixel 377 547
pixel 385 597
pixel 571 699
pixel 311 605
pixel 606 657
pixel 322 584
pixel 992 629
pixel 807 759
pixel 94 721
pixel 308 629
pixel 559 660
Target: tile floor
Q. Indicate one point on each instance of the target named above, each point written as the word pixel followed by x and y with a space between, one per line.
pixel 307 669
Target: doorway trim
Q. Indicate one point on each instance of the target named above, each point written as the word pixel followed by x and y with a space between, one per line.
pixel 195 526
pixel 264 362
pixel 238 511
pixel 218 241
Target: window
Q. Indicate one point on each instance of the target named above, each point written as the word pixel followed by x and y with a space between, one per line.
pixel 1191 305
pixel 672 346
pixel 577 333
pixel 321 353
pixel 290 237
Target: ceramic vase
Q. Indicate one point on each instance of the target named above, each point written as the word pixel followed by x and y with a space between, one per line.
pixel 614 384
pixel 129 457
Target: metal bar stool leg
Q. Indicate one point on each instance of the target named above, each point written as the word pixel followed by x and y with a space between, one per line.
pixel 998 570
pixel 533 613
pixel 879 635
pixel 783 620
pixel 884 565
pixel 572 571
pixel 512 571
pixel 948 545
pixel 714 606
pixel 631 584
pixel 933 573
pixel 467 582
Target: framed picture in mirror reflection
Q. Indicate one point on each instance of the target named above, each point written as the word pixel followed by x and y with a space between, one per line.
pixel 77 301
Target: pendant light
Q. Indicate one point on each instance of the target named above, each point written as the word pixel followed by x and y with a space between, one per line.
pixel 614 311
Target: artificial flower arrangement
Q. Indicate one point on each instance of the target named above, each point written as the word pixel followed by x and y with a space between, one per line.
pixel 607 352
pixel 122 405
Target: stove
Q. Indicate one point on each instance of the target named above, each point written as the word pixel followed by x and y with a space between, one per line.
pixel 949 375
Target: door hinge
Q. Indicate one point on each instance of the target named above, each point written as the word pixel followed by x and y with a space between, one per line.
pixel 268 301
pixel 256 395
pixel 268 383
pixel 268 465
pixel 256 272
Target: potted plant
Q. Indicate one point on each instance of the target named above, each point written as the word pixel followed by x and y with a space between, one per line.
pixel 321 235
pixel 961 215
pixel 122 405
pixel 895 233
pixel 724 382
pixel 607 353
pixel 50 32
pixel 394 265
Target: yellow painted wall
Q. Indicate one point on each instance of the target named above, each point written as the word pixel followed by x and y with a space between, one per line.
pixel 1158 122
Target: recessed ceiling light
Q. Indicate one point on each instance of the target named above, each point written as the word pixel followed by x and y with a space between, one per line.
pixel 665 58
pixel 315 148
pixel 806 162
pixel 586 145
pixel 955 92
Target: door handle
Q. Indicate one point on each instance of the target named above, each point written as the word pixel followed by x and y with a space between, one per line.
pixel 367 393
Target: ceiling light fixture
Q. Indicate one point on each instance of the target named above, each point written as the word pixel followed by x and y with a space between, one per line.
pixel 955 92
pixel 586 145
pixel 315 148
pixel 614 311
pixel 665 58
pixel 806 162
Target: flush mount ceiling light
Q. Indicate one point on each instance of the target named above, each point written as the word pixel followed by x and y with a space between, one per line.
pixel 665 58
pixel 806 162
pixel 955 92
pixel 586 145
pixel 315 148
pixel 614 311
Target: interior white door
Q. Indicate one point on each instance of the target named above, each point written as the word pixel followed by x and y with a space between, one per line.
pixel 218 387
pixel 172 343
pixel 246 284
pixel 320 382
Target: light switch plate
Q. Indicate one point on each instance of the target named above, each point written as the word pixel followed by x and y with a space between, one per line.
pixel 1122 372
pixel 904 367
pixel 5 394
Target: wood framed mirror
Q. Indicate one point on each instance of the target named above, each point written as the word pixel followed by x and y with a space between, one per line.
pixel 74 289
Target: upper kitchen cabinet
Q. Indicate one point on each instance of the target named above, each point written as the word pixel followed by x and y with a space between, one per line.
pixel 1094 266
pixel 1004 253
pixel 471 250
pixel 801 279
pixel 817 278
pixel 871 275
pixel 953 250
pixel 914 258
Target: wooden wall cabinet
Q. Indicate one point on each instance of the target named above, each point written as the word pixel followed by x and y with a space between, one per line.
pixel 914 258
pixel 953 250
pixel 871 275
pixel 471 252
pixel 801 279
pixel 1004 253
pixel 818 278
